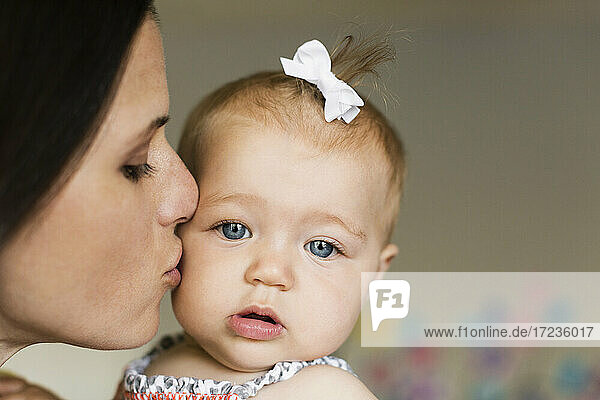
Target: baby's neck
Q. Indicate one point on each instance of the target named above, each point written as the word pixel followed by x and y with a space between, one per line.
pixel 189 359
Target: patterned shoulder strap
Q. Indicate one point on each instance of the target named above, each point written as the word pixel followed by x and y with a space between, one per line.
pixel 284 370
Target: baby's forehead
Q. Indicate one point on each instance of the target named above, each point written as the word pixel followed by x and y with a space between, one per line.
pixel 319 145
pixel 278 172
pixel 305 129
pixel 264 102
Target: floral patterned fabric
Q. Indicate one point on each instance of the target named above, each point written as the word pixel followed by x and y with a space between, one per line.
pixel 136 382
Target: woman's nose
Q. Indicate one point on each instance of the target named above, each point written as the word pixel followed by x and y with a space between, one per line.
pixel 180 192
pixel 270 271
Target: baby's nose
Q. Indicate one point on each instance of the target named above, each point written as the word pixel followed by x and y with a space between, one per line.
pixel 271 271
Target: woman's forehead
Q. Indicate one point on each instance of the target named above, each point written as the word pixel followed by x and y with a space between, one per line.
pixel 144 82
pixel 142 96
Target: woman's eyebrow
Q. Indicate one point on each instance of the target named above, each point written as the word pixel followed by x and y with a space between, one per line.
pixel 146 134
pixel 156 124
pixel 142 139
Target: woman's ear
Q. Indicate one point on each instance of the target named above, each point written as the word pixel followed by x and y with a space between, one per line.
pixel 385 258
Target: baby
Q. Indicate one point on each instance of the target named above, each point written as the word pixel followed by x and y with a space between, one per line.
pixel 292 209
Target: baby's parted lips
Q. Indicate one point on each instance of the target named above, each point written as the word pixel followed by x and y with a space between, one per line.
pixel 257 323
pixel 262 313
pixel 265 318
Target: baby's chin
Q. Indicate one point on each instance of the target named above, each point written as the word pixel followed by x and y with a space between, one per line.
pixel 242 363
pixel 247 355
pixel 250 355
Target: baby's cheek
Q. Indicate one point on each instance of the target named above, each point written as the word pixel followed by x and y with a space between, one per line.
pixel 189 301
pixel 347 305
pixel 333 313
pixel 203 299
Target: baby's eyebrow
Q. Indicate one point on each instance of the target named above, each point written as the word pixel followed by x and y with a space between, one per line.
pixel 239 198
pixel 349 226
pixel 312 216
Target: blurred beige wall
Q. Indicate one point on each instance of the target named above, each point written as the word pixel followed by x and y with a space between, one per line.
pixel 498 106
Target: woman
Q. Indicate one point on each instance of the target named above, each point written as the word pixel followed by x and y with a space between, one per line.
pixel 91 193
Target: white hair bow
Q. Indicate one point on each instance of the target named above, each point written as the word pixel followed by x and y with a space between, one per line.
pixel 312 63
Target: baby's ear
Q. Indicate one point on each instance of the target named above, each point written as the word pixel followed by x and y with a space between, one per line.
pixel 385 258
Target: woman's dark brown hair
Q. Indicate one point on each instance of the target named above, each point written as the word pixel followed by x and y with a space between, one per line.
pixel 61 63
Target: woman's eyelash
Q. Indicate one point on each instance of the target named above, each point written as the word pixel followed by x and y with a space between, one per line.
pixel 135 172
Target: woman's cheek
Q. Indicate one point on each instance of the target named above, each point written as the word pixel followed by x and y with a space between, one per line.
pixel 112 244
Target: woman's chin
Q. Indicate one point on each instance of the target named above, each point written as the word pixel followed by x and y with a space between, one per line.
pixel 134 334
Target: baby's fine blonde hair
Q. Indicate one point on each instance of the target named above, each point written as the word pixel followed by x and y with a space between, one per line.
pixel 296 106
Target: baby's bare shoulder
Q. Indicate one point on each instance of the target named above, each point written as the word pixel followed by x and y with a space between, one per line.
pixel 318 382
pixel 175 361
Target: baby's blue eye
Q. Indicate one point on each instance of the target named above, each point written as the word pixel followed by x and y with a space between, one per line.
pixel 321 248
pixel 234 231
